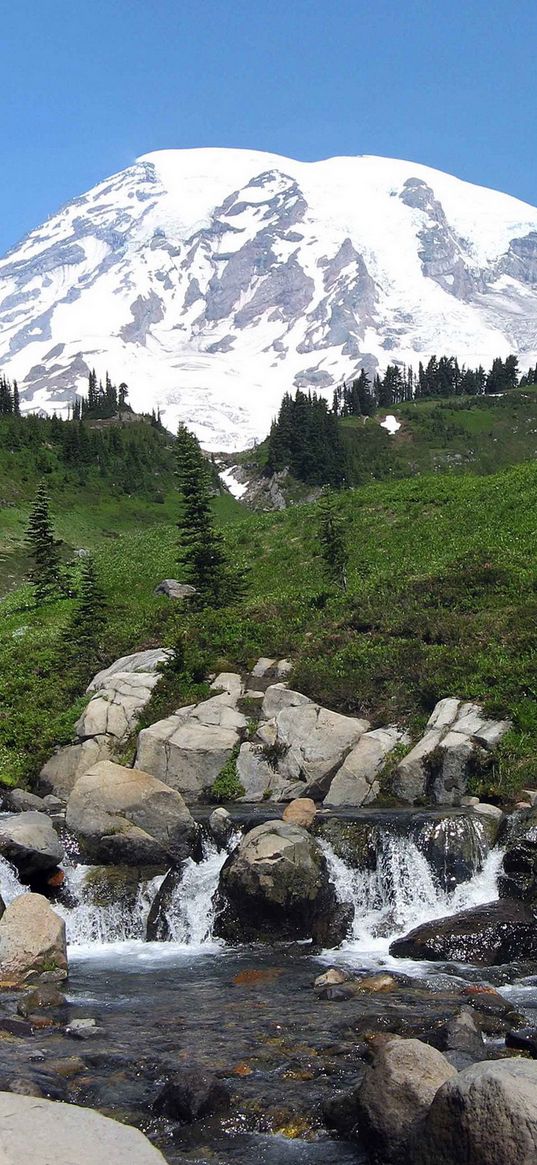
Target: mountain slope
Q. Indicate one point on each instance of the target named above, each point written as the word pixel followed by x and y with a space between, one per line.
pixel 212 281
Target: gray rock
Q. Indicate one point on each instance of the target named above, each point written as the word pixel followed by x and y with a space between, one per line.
pixel 260 781
pixel 275 886
pixel 191 1094
pixel 486 1115
pixel 355 782
pixel 262 667
pixel 410 781
pixel 189 749
pixel 229 682
pixel 319 741
pixel 36 1130
pixel 278 696
pixel 115 708
pixel 174 589
pixel 20 801
pixel 496 933
pixel 61 772
pixel 129 817
pixel 29 841
pixel 32 941
pixel 221 825
pixel 396 1094
pixel 140 661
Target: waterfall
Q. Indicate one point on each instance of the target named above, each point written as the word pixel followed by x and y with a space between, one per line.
pixel 10 887
pixel 87 922
pixel 190 911
pixel 403 891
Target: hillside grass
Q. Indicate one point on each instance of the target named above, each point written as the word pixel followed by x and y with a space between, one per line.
pixel 442 600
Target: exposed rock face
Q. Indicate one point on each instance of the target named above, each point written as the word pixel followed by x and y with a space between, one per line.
pixel 315 743
pixel 189 749
pixel 355 782
pixel 129 817
pixel 279 696
pixel 262 780
pixel 275 886
pixel 396 1093
pixel 32 1127
pixel 499 932
pixel 115 707
pixel 140 662
pixel 29 841
pixel 437 767
pixel 486 1115
pixel 32 941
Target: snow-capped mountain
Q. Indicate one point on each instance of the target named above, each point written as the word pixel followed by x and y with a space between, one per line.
pixel 213 281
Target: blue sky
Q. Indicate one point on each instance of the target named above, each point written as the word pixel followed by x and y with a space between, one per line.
pixel 88 85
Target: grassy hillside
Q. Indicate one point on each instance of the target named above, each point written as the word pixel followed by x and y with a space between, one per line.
pixel 442 601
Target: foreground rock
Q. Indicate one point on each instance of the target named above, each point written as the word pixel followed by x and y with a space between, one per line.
pixel 128 817
pixel 32 941
pixel 30 842
pixel 438 766
pixel 396 1094
pixel 275 887
pixel 496 933
pixel 486 1115
pixel 40 1131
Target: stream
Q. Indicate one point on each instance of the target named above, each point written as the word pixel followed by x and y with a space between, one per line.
pixel 248 1014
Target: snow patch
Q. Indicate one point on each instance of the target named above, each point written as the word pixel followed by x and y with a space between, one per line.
pixel 391 424
pixel 236 488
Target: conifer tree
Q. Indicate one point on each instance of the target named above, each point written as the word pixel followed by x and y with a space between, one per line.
pixel 202 556
pixel 83 635
pixel 45 573
pixel 333 543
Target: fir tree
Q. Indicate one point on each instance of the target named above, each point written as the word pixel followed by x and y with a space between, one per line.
pixel 334 551
pixel 46 573
pixel 202 556
pixel 84 632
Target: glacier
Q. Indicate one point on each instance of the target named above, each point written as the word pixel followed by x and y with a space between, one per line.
pixel 213 281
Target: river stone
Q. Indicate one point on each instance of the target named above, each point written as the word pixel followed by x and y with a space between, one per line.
pixel 355 782
pixel 20 801
pixel 519 875
pixel 493 934
pixel 454 846
pixel 486 1115
pixel 32 941
pixel 128 817
pixel 191 1094
pixel 38 1130
pixel 30 842
pixel 59 775
pixel 174 589
pixel 279 696
pixel 319 740
pixel 275 886
pixel 221 825
pixel 396 1093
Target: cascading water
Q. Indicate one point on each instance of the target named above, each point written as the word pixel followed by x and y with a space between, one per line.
pixel 10 886
pixel 403 891
pixel 190 913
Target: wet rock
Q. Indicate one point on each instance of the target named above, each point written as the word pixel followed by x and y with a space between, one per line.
pixel 462 1034
pixel 519 876
pixel 221 825
pixel 496 933
pixel 454 846
pixel 46 997
pixel 396 1093
pixel 158 927
pixel 192 1094
pixel 491 819
pixel 33 1129
pixel 275 886
pixel 174 589
pixel 355 783
pixel 84 1029
pixel 128 817
pixel 29 841
pixel 331 978
pixel 486 1115
pixel 301 812
pixel 340 1111
pixel 32 941
pixel 20 801
pixel 524 1040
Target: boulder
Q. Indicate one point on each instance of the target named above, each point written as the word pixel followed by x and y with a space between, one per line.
pixel 396 1093
pixel 301 811
pixel 174 589
pixel 29 841
pixel 230 683
pixel 32 941
pixel 38 1130
pixel 318 742
pixel 355 782
pixel 275 886
pixel 20 801
pixel 486 1115
pixel 263 667
pixel 519 874
pixel 438 766
pixel 221 825
pixel 185 753
pixel 498 932
pixel 454 845
pixel 115 708
pixel 277 697
pixel 61 772
pixel 129 817
pixel 139 661
pixel 191 1094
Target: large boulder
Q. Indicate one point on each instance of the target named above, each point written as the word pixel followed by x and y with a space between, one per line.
pixel 438 766
pixel 189 749
pixel 61 772
pixel 262 780
pixel 279 696
pixel 498 932
pixel 486 1115
pixel 276 886
pixel 30 842
pixel 455 845
pixel 314 743
pixel 128 817
pixel 519 875
pixel 397 1092
pixel 355 783
pixel 38 1131
pixel 140 661
pixel 114 709
pixel 32 941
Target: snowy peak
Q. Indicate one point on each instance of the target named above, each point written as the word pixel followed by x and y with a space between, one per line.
pixel 213 281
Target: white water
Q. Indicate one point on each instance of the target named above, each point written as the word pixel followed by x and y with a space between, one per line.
pixel 10 886
pixel 401 893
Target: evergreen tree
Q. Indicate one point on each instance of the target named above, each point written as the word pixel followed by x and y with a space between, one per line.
pixel 334 551
pixel 82 638
pixel 202 558
pixel 45 573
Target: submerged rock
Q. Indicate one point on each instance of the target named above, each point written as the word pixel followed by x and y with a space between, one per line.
pixel 32 941
pixel 275 886
pixel 191 1094
pixel 498 932
pixel 486 1115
